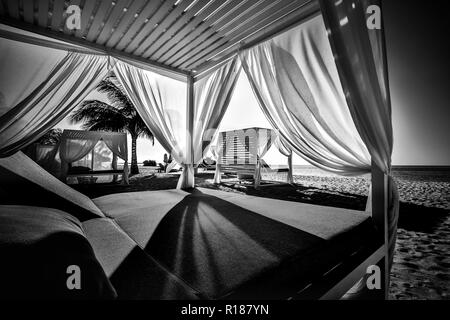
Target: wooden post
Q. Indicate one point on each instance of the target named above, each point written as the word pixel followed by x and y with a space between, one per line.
pixel 380 216
pixel 290 177
pixel 190 132
pixel 114 167
pixel 92 159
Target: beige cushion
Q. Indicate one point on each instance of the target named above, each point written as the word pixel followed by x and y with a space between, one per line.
pixel 23 180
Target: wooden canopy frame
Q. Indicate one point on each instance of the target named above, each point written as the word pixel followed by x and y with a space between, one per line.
pixel 186 39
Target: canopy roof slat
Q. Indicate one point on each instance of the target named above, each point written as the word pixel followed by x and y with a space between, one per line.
pixel 257 33
pixel 28 11
pixel 240 32
pixel 43 13
pixel 164 51
pixel 88 9
pixel 151 25
pixel 179 36
pixel 174 28
pixel 138 23
pixel 107 29
pixel 57 15
pixel 244 18
pixel 98 19
pixel 13 8
pixel 209 36
pixel 195 32
pixel 121 27
pixel 163 24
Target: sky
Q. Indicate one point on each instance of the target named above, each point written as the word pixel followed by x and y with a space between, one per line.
pixel 418 49
pixel 418 52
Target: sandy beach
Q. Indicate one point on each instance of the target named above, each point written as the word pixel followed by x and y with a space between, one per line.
pixel 422 260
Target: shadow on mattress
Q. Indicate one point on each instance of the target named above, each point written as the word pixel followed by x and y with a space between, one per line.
pixel 225 251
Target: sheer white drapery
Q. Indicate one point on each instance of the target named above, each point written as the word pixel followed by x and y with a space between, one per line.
pixel 212 96
pixel 46 97
pixel 117 143
pixel 75 145
pixel 336 114
pixel 23 68
pixel 264 140
pixel 360 56
pixel 295 80
pixel 287 152
pixel 216 150
pixel 161 102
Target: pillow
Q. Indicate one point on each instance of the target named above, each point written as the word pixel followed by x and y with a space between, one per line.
pixel 24 182
pixel 37 248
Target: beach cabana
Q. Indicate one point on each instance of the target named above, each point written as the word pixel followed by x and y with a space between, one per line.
pixel 77 144
pixel 319 74
pixel 241 152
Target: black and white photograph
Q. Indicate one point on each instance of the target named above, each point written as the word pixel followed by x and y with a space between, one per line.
pixel 224 154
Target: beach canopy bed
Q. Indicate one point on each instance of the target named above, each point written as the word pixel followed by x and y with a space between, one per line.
pixel 77 144
pixel 318 72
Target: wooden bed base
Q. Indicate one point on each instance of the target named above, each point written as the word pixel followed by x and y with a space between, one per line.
pixel 340 279
pixel 96 173
pixel 113 173
pixel 336 282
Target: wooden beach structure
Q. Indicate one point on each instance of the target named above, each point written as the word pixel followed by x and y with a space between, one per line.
pixel 202 46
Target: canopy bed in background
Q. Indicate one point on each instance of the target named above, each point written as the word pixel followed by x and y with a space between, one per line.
pixel 317 71
pixel 76 145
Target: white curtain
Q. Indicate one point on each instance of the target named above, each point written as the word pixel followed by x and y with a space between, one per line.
pixel 23 67
pixel 295 80
pixel 361 60
pixel 212 96
pixel 117 143
pixel 75 145
pixel 330 107
pixel 43 101
pixel 161 102
pixel 216 150
pixel 287 152
pixel 264 140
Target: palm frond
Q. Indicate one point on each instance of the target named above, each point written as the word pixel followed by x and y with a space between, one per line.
pixel 98 115
pixel 114 91
pixel 120 115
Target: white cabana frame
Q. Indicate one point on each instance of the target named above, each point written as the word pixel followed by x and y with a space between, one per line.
pixel 361 65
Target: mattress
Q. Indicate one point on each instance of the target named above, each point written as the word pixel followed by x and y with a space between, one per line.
pixel 232 246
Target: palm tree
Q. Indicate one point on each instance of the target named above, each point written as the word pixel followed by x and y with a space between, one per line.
pixel 119 116
pixel 51 137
